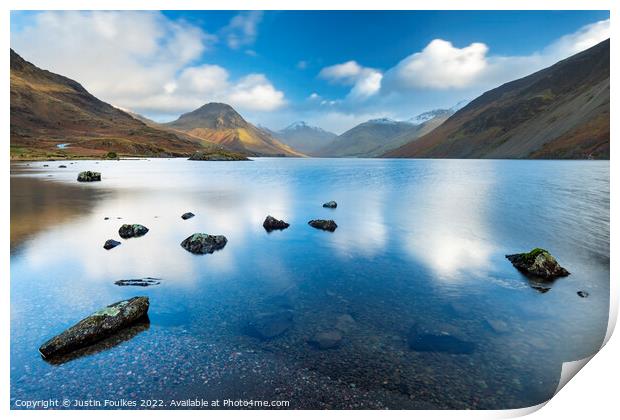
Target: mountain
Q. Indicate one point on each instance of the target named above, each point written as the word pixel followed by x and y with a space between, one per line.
pixel 221 124
pixel 305 138
pixel 363 139
pixel 48 110
pixel 376 137
pixel 561 112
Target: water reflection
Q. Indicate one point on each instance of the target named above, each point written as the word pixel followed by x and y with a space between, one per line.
pixel 404 227
pixel 448 227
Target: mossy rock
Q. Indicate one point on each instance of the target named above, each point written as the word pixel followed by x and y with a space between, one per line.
pixel 538 263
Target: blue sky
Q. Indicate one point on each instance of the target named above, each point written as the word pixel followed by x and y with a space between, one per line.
pixel 331 68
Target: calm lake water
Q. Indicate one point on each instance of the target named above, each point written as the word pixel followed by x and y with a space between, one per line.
pixel 420 244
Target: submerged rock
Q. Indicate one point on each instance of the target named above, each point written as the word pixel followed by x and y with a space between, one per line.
pixel 111 243
pixel 498 326
pixel 97 326
pixel 328 225
pixel 62 166
pixel 330 205
pixel 539 263
pixel 202 243
pixel 271 223
pixel 89 176
pixel 344 323
pixel 215 156
pixel 326 339
pixel 144 282
pixel 132 231
pixel 438 341
pixel 269 325
pixel 583 294
pixel 187 215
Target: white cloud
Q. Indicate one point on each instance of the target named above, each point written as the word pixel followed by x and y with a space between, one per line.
pixel 584 38
pixel 140 61
pixel 440 65
pixel 242 29
pixel 365 81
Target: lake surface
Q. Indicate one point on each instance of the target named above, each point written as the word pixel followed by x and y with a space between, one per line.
pixel 420 245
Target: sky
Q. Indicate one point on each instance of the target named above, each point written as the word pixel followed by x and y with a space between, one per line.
pixel 332 69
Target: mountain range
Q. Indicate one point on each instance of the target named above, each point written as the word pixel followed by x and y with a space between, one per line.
pixel 378 136
pixel 561 112
pixel 305 138
pixel 48 110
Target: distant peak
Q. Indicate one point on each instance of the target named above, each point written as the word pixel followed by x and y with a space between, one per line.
pixel 383 120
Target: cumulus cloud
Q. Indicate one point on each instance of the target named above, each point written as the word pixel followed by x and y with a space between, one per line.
pixel 442 66
pixel 365 81
pixel 242 29
pixel 141 61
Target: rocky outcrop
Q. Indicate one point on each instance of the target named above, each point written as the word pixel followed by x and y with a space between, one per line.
pixel 330 205
pixel 111 243
pixel 328 225
pixel 538 263
pixel 326 339
pixel 143 282
pixel 217 156
pixel 202 243
pixel 187 215
pixel 132 231
pixel 271 223
pixel 97 326
pixel 89 176
pixel 266 326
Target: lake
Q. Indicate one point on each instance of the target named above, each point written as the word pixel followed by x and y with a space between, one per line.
pixel 420 246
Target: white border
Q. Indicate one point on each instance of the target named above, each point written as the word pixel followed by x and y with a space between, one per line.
pixel 593 394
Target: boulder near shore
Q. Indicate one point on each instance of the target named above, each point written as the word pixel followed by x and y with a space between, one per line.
pixel 538 263
pixel 203 243
pixel 271 223
pixel 330 205
pixel 328 225
pixel 97 326
pixel 132 231
pixel 111 243
pixel 89 176
pixel 187 215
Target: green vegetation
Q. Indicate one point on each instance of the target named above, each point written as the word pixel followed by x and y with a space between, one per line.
pixel 111 155
pixel 531 256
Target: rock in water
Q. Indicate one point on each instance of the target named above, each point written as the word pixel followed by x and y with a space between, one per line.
pixel 266 326
pixel 271 223
pixel 326 339
pixel 423 340
pixel 583 294
pixel 328 225
pixel 202 243
pixel 538 263
pixel 144 282
pixel 97 326
pixel 330 205
pixel 187 215
pixel 132 231
pixel 88 176
pixel 62 166
pixel 111 243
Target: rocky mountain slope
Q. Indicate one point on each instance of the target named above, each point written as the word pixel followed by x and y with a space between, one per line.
pixel 561 112
pixel 220 123
pixel 48 110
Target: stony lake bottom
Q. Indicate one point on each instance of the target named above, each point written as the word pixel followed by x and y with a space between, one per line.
pixel 420 246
